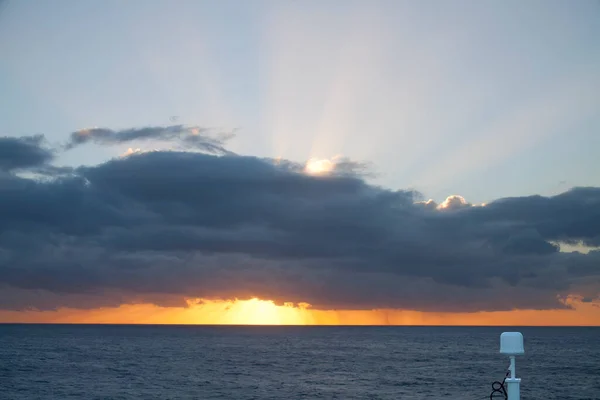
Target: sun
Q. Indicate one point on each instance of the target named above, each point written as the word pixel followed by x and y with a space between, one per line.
pixel 254 311
pixel 319 167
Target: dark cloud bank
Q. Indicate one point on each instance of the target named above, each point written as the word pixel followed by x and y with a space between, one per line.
pixel 162 225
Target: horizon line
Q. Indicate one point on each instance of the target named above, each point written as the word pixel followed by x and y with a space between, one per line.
pixel 297 325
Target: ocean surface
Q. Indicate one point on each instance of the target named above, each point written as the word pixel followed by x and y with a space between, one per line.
pixel 242 363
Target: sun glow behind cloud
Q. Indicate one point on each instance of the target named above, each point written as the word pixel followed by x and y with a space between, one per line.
pixel 265 312
pixel 315 166
pixel 250 312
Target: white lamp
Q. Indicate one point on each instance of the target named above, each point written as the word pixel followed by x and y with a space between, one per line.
pixel 511 344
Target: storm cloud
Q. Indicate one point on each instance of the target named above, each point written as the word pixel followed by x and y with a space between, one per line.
pixel 167 224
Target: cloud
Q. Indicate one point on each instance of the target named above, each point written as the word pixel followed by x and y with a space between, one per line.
pixel 164 225
pixel 453 202
pixel 19 153
pixel 192 137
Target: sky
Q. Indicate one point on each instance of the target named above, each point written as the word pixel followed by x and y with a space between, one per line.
pixel 384 162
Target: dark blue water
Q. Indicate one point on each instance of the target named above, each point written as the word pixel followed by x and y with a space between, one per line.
pixel 166 362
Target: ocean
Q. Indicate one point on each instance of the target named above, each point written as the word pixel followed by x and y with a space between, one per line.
pixel 243 363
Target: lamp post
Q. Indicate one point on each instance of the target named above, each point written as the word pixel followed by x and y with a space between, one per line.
pixel 511 344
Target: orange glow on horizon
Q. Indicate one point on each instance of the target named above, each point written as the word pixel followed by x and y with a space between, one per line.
pixel 266 312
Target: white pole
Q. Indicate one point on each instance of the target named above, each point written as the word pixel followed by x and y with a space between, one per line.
pixel 513 384
pixel 511 344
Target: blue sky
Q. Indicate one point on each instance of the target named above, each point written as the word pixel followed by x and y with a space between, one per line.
pixel 482 99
